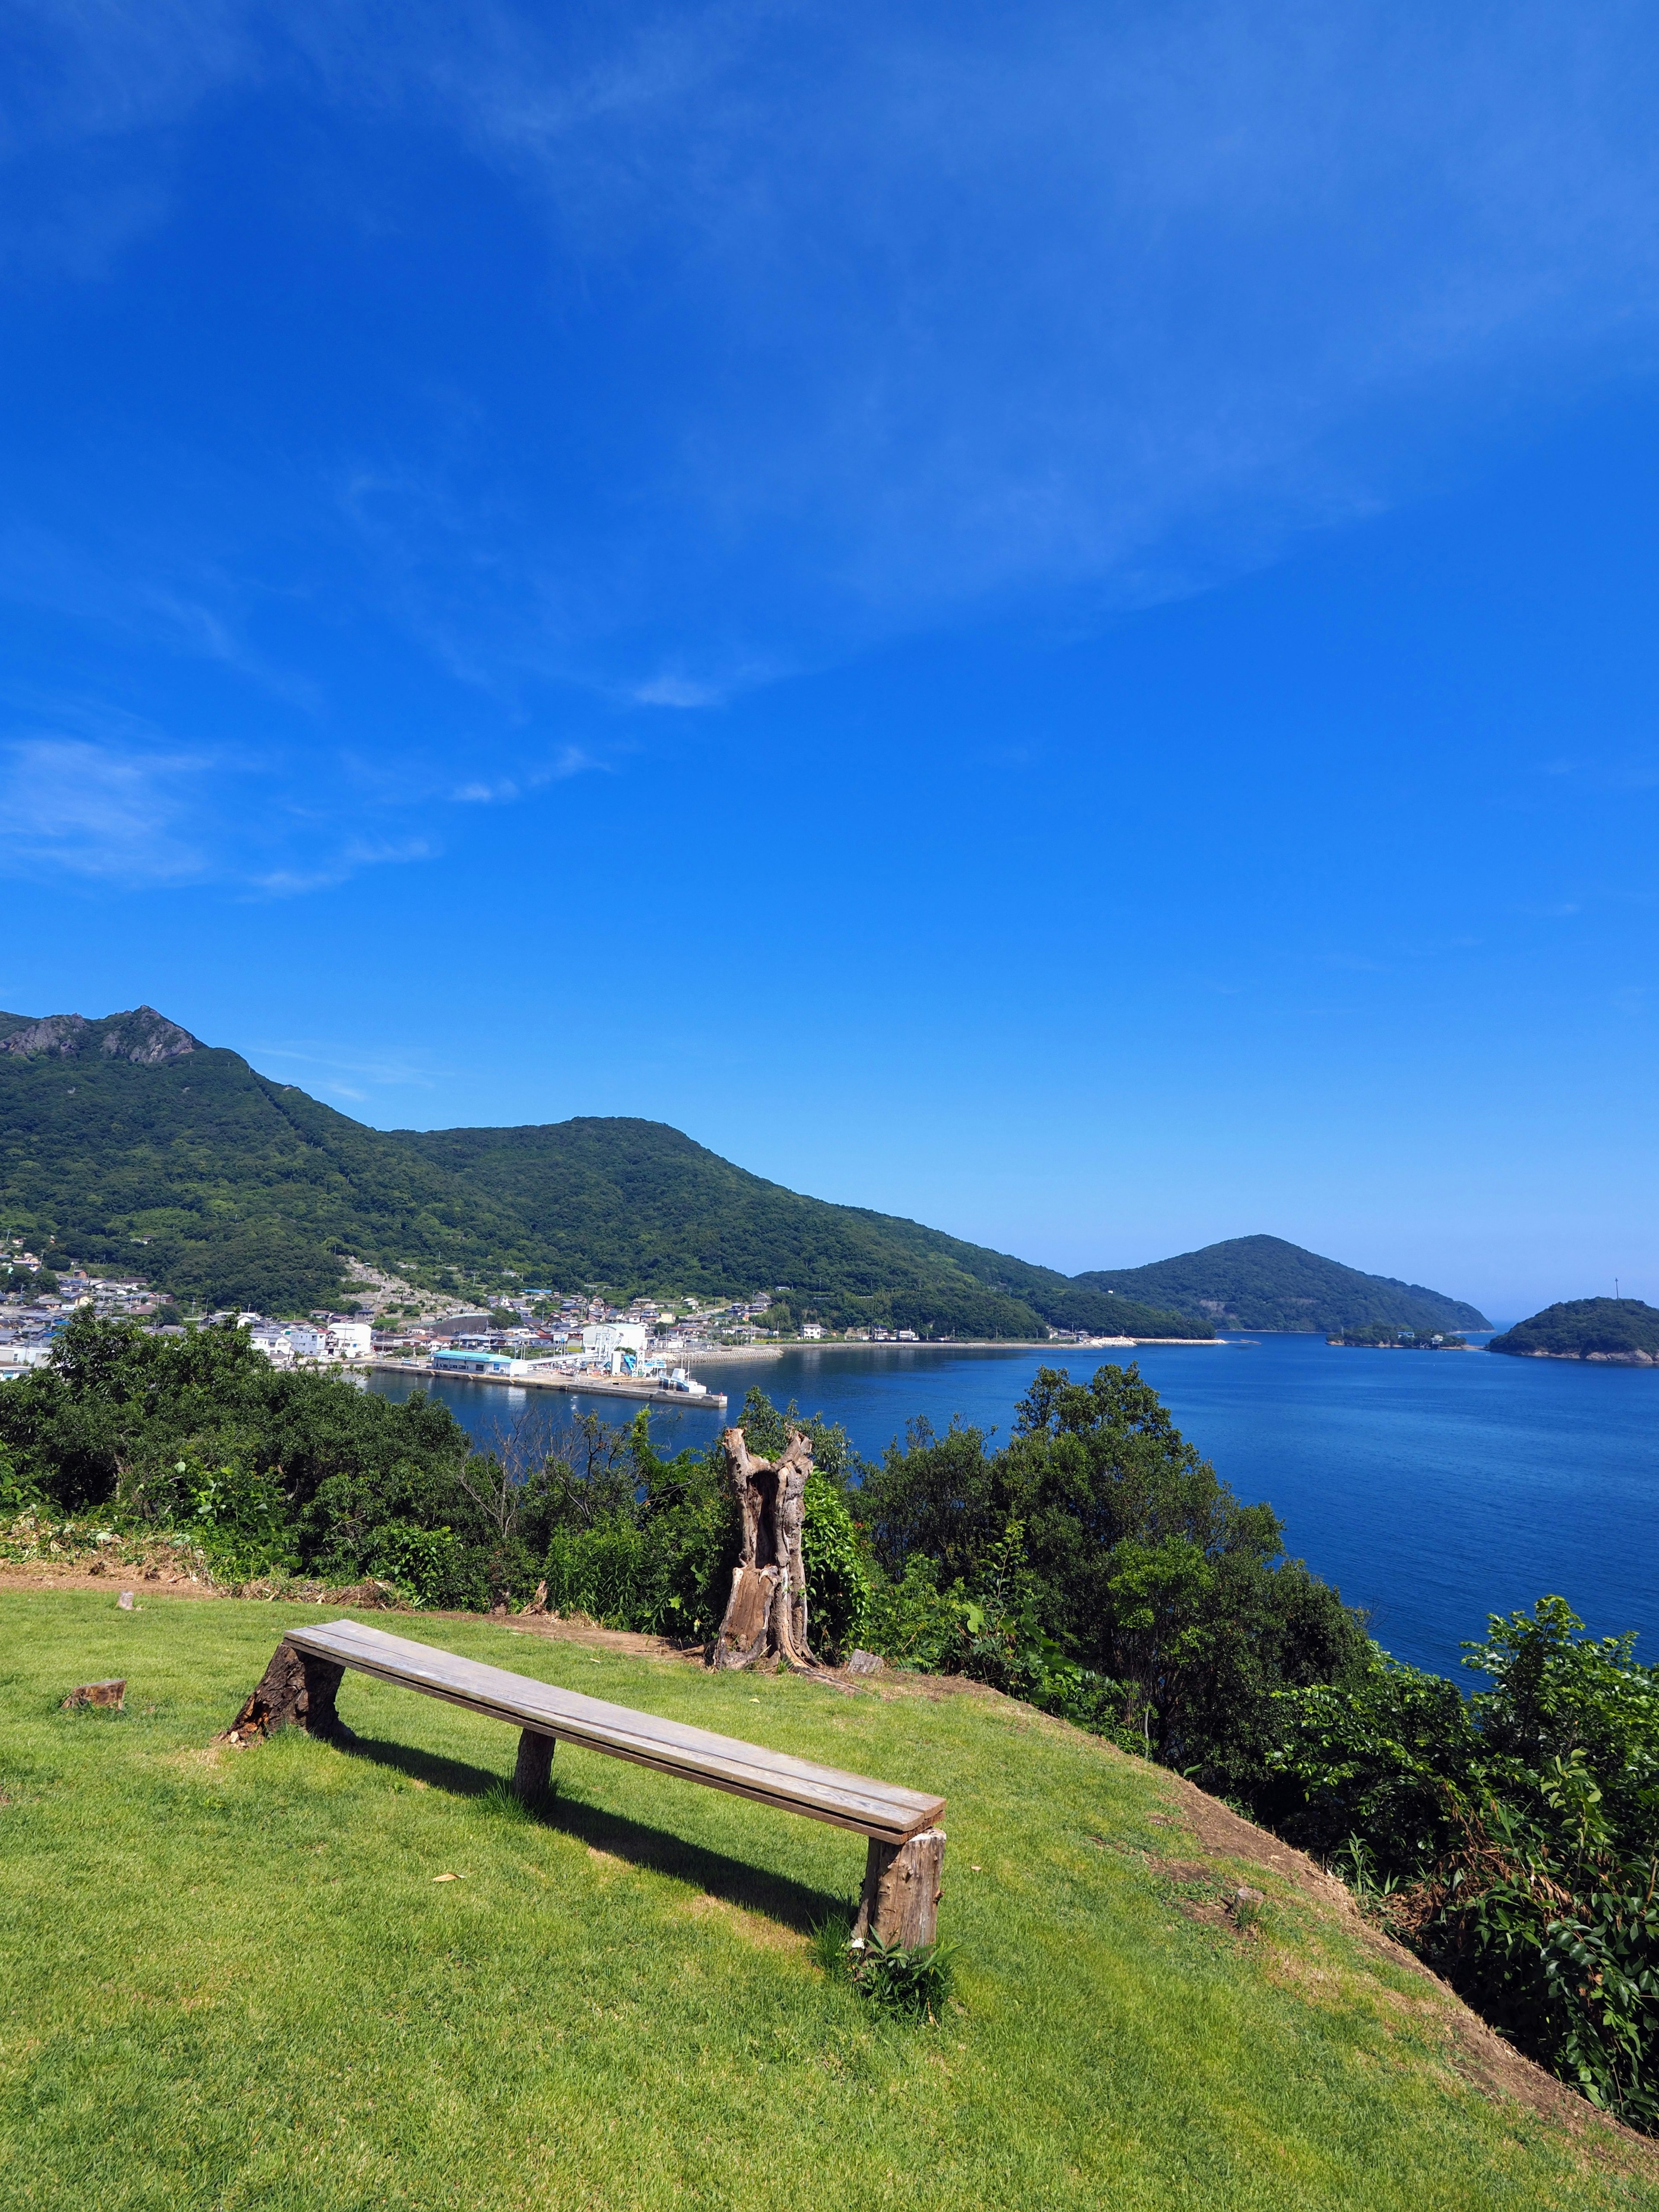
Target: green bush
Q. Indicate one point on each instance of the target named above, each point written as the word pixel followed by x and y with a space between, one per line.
pixel 601 1572
pixel 911 1982
pixel 424 1563
pixel 1508 1836
pixel 837 1577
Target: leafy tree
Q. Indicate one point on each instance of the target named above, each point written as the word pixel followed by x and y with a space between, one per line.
pixel 1135 1563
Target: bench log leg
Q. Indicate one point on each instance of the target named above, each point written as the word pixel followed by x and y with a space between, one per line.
pixel 534 1770
pixel 294 1691
pixel 903 1885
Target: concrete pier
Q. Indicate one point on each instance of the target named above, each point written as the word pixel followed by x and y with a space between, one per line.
pixel 585 1386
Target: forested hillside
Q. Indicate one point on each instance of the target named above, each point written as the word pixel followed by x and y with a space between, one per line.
pixel 130 1141
pixel 1623 1331
pixel 1262 1282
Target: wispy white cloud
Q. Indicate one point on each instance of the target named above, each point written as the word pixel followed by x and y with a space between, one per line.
pixel 943 309
pixel 526 777
pixel 981 305
pixel 676 692
pixel 147 592
pixel 104 796
pixel 105 814
pixel 338 1068
pixel 339 864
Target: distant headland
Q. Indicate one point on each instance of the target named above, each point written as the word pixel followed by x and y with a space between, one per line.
pixel 1610 1332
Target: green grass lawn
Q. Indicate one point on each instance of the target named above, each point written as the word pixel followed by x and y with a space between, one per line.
pixel 232 1979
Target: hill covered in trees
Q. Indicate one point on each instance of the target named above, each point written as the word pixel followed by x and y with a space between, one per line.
pixel 1262 1282
pixel 129 1141
pixel 1622 1332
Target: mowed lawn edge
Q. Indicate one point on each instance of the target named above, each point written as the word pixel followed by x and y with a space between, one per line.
pixel 237 1979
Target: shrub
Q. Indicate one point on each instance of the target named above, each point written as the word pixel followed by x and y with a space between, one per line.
pixel 837 1580
pixel 1508 1837
pixel 424 1563
pixel 600 1571
pixel 910 1983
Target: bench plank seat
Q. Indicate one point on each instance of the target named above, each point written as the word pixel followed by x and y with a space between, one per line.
pixel 880 1810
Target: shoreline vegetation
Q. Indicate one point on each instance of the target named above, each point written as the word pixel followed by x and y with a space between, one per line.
pixel 1378 1338
pixel 1092 1566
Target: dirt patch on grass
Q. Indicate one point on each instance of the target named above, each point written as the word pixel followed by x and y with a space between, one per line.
pixel 102 1575
pixel 555 1628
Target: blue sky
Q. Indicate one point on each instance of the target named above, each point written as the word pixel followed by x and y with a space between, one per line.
pixel 1042 619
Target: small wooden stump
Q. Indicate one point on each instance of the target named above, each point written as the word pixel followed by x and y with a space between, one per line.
pixel 293 1691
pixel 532 1775
pixel 97 1693
pixel 902 1886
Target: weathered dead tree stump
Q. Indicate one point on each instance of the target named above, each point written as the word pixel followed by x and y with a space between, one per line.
pixel 766 1614
pixel 98 1693
pixel 533 1773
pixel 903 1885
pixel 294 1691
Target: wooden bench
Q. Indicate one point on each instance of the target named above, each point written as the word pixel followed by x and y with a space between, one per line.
pixel 906 1857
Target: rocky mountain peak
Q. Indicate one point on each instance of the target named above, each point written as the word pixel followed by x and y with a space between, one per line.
pixel 141 1034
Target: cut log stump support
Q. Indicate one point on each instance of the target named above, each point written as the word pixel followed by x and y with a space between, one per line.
pixel 903 1885
pixel 98 1693
pixel 294 1691
pixel 532 1775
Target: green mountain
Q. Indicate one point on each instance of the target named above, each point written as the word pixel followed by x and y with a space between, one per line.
pixel 128 1141
pixel 1623 1332
pixel 1262 1282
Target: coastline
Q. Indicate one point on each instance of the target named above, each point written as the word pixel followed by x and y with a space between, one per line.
pixel 721 1353
pixel 1583 1359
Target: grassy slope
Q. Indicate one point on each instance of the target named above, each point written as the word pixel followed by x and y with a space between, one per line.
pixel 1265 1283
pixel 232 1979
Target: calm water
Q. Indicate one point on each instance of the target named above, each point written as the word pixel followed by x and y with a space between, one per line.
pixel 1431 1488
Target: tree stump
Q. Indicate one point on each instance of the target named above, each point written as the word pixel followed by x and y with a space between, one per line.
pixel 293 1691
pixel 902 1886
pixel 97 1693
pixel 533 1773
pixel 766 1614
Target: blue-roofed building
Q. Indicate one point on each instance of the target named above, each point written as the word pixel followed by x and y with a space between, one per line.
pixel 470 1359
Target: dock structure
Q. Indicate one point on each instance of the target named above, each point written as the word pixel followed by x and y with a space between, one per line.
pixel 587 1386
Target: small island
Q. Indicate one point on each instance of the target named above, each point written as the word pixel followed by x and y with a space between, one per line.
pixel 1610 1331
pixel 1378 1336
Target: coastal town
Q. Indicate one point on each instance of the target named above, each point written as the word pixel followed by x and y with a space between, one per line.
pixel 531 1335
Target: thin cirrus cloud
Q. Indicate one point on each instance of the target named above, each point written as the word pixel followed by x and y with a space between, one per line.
pixel 861 319
pixel 106 814
pixel 949 307
pixel 347 1075
pixel 109 803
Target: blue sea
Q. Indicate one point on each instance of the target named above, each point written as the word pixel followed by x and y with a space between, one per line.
pixel 1432 1488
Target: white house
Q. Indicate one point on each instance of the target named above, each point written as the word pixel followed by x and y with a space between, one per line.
pixel 350 1339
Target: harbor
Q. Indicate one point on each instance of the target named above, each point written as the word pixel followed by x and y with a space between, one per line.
pixel 522 1375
